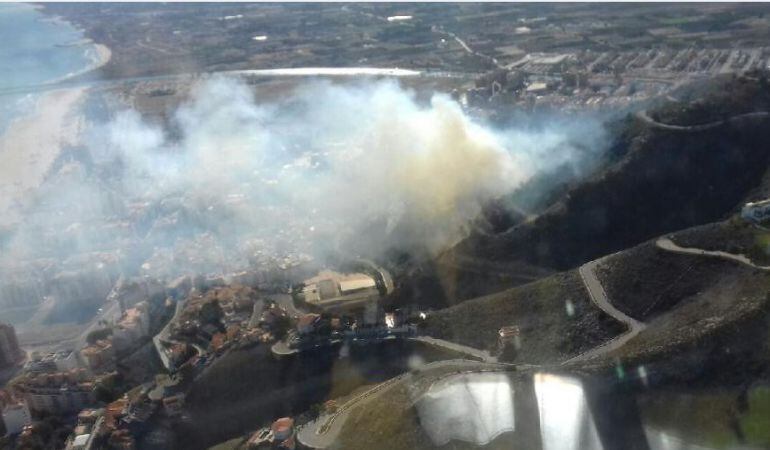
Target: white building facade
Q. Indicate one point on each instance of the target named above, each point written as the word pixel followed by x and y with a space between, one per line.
pixel 15 418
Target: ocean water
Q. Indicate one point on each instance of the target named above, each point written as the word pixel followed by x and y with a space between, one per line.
pixel 35 49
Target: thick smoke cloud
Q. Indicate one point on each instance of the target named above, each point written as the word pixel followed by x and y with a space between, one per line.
pixel 354 168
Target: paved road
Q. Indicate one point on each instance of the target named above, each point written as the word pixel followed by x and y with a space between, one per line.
pixel 700 127
pixel 278 72
pixel 163 336
pixel 669 245
pixel 466 47
pixel 286 302
pixel 599 298
pixel 323 431
pixel 481 355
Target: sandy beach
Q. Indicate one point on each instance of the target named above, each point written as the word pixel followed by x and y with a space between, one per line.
pixel 99 55
pixel 32 143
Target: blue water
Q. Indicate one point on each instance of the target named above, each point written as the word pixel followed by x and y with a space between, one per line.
pixel 35 49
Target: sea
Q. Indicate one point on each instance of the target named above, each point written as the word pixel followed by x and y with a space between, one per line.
pixel 36 48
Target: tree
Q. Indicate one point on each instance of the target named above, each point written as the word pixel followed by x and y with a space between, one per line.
pixel 281 326
pixel 211 313
pixel 99 334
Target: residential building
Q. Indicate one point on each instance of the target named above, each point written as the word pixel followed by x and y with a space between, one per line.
pixel 261 439
pixel 283 428
pixel 173 405
pixel 121 439
pixel 91 423
pixel 280 436
pixel 129 292
pixel 509 336
pixel 99 356
pixel 306 324
pixel 756 211
pixel 80 442
pixel 16 416
pixel 60 361
pixel 353 294
pixel 10 352
pixel 133 326
pixel 58 400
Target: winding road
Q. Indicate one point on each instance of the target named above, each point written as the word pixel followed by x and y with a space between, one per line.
pixel 644 117
pixel 669 245
pixel 323 431
pixel 599 298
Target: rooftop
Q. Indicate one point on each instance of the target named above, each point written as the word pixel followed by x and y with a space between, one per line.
pixel 354 284
pixel 81 441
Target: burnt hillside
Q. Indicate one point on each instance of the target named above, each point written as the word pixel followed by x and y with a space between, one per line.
pixel 666 180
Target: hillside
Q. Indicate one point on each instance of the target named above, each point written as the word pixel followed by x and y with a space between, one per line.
pixel 663 180
pixel 454 279
pixel 707 325
pixel 733 235
pixel 715 99
pixel 716 335
pixel 646 281
pixel 707 316
pixel 555 317
pixel 248 388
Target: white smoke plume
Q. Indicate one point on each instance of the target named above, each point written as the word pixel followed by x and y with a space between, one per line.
pixel 358 168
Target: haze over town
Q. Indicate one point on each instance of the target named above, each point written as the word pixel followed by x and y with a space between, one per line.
pixel 384 225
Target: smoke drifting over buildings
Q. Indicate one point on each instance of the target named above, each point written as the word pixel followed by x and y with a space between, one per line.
pixel 353 168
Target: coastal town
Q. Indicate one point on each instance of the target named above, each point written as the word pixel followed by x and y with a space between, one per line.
pixel 119 397
pixel 269 226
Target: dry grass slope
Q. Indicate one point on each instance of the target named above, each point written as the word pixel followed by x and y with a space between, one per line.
pixel 541 310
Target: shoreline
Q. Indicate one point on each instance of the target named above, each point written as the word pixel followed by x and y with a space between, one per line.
pixel 98 54
pixel 34 139
pixel 30 146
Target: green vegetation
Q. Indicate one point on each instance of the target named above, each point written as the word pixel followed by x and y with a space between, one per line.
pixel 110 388
pixel 232 444
pixel 754 423
pixel 711 417
pixel 211 313
pixel 670 21
pixel 98 334
pixel 389 421
pixel 696 417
